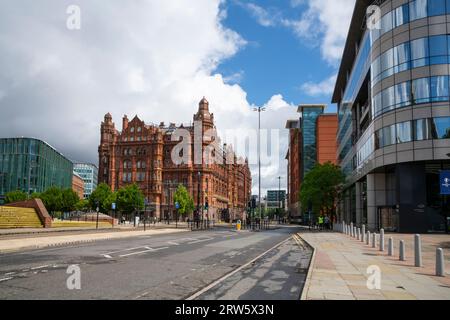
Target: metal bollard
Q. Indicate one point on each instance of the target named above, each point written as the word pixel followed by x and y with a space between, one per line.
pixel 354 232
pixel 368 238
pixel 363 232
pixel 391 247
pixel 381 239
pixel 440 266
pixel 358 234
pixel 417 251
pixel 351 229
pixel 374 240
pixel 402 251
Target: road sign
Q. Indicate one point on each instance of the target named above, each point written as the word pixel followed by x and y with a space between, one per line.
pixel 113 206
pixel 445 182
pixel 177 205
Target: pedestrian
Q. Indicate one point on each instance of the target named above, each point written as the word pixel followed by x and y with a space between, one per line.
pixel 327 223
pixel 320 222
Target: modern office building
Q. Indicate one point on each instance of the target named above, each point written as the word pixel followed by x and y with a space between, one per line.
pixel 32 165
pixel 89 173
pixel 312 140
pixel 276 199
pixel 392 93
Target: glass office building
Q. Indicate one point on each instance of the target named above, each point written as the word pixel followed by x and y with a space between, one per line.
pixel 393 99
pixel 310 113
pixel 32 165
pixel 89 173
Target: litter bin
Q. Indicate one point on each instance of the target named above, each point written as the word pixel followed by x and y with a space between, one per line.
pixel 238 225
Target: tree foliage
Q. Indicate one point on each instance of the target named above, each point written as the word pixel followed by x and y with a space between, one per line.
pixel 100 196
pixel 82 205
pixel 69 199
pixel 320 188
pixel 52 199
pixel 130 199
pixel 15 196
pixel 185 201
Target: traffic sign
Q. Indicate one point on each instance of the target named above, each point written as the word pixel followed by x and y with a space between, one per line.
pixel 113 206
pixel 445 182
pixel 177 205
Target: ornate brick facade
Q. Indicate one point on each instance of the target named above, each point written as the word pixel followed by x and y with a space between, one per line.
pixel 143 154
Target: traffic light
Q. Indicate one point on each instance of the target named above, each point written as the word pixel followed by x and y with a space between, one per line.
pixel 253 203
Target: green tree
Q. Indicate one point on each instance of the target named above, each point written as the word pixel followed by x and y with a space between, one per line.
pixel 185 201
pixel 99 197
pixel 129 199
pixel 53 200
pixel 36 195
pixel 15 196
pixel 69 199
pixel 82 205
pixel 320 188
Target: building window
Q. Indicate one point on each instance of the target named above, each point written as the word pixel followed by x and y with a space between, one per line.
pixel 441 128
pixel 436 7
pixel 401 15
pixel 132 129
pixel 402 57
pixel 422 130
pixel 140 176
pixel 402 94
pixel 418 9
pixel 439 88
pixel 389 137
pixel 421 90
pixel 404 132
pixel 388 97
pixel 438 49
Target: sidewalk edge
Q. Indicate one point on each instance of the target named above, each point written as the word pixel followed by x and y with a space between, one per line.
pixel 310 269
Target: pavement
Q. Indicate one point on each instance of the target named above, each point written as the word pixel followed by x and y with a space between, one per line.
pixel 147 265
pixel 339 269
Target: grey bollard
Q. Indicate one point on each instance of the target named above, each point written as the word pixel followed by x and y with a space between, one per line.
pixel 402 251
pixel 417 251
pixel 381 239
pixel 351 229
pixel 440 266
pixel 354 232
pixel 391 247
pixel 368 238
pixel 374 240
pixel 363 232
pixel 343 226
pixel 358 234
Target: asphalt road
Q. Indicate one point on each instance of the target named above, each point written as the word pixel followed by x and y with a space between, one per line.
pixel 172 266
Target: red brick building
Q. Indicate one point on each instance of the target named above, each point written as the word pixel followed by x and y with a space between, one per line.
pixel 294 167
pixel 327 126
pixel 78 185
pixel 144 154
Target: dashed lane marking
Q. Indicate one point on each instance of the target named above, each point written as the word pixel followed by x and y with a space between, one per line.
pixel 141 252
pixel 6 279
pixel 40 267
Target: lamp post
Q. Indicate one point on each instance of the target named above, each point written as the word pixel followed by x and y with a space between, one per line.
pixel 259 110
pixel 198 197
pixel 97 209
pixel 278 198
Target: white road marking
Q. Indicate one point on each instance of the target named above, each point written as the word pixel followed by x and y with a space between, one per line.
pixel 173 243
pixel 9 273
pixel 145 251
pixel 200 240
pixel 6 279
pixel 129 249
pixel 40 267
pixel 107 256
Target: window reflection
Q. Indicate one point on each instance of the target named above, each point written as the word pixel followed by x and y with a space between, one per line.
pixel 441 128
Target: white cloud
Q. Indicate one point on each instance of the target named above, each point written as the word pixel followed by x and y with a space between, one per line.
pixel 326 22
pixel 153 58
pixel 265 17
pixel 322 88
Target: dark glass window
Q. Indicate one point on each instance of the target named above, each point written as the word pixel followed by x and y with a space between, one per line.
pixel 421 90
pixel 379 139
pixel 439 88
pixel 441 128
pixel 388 96
pixel 436 7
pixel 403 94
pixel 438 49
pixel 401 15
pixel 417 9
pixel 386 22
pixel 404 132
pixel 377 106
pixel 389 136
pixel 387 63
pixel 422 129
pixel 419 52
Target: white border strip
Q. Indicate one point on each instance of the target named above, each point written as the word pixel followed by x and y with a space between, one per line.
pixel 310 269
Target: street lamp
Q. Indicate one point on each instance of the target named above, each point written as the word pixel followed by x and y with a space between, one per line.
pixel 98 209
pixel 259 110
pixel 278 198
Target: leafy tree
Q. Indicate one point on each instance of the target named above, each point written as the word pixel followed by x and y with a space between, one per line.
pixel 320 188
pixel 15 196
pixel 186 203
pixel 82 205
pixel 99 197
pixel 52 199
pixel 69 199
pixel 35 195
pixel 130 199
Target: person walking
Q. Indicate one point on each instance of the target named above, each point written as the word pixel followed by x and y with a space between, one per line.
pixel 320 223
pixel 327 223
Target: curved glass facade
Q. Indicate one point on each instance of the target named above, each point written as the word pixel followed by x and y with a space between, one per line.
pixel 412 54
pixel 418 91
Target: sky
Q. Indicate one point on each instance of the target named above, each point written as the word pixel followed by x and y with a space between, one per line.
pixel 158 58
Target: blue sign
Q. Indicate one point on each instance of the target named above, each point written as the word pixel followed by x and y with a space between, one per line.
pixel 177 205
pixel 445 182
pixel 113 206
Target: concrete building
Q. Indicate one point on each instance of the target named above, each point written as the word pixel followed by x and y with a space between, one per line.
pixel 32 165
pixel 143 154
pixel 392 93
pixel 312 140
pixel 276 199
pixel 89 173
pixel 78 185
